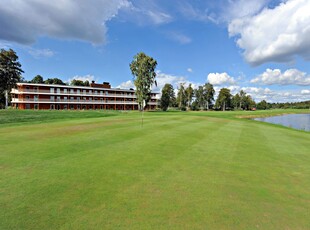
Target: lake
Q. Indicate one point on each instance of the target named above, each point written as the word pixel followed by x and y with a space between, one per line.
pixel 296 121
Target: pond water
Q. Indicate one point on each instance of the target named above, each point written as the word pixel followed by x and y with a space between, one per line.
pixel 296 121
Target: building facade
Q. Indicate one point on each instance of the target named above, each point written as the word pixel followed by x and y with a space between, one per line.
pixel 62 97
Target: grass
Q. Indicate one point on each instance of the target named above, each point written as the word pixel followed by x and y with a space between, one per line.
pixel 182 170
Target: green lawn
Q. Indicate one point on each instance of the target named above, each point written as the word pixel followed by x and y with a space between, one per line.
pixel 181 170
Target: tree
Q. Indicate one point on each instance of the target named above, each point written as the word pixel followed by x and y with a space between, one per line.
pixel 10 71
pixel 242 95
pixel 209 94
pixel 143 69
pixel 37 79
pixel 200 99
pixel 54 81
pixel 223 100
pixel 189 93
pixel 167 97
pixel 236 101
pixel 181 97
pixel 79 82
pixel 262 105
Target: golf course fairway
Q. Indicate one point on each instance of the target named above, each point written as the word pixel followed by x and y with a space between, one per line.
pixel 180 170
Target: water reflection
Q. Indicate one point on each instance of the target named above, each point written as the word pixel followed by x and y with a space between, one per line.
pixel 296 121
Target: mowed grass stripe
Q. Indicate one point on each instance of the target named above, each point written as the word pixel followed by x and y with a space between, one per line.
pixel 178 171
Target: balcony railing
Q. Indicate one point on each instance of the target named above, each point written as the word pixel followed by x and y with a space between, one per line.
pixel 75 93
pixel 74 101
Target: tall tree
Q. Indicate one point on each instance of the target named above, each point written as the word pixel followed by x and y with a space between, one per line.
pixel 37 79
pixel 209 94
pixel 181 97
pixel 143 69
pixel 262 105
pixel 167 97
pixel 79 82
pixel 199 97
pixel 242 95
pixel 223 100
pixel 54 81
pixel 189 92
pixel 10 71
pixel 236 101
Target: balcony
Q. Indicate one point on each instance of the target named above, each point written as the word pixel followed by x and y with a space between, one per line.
pixel 81 101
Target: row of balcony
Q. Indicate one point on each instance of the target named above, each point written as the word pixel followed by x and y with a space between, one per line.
pixel 73 101
pixel 81 93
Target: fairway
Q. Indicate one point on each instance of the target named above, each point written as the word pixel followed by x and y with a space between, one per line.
pixel 181 170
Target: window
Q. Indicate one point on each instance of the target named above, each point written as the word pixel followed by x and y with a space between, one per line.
pixel 72 91
pixel 27 98
pixel 65 107
pixel 90 91
pixel 65 90
pixel 52 98
pixel 101 93
pixel 58 90
pixel 84 98
pixel 27 106
pixel 96 92
pixel 35 89
pixel 52 107
pixel 27 88
pixel 51 90
pixel 90 99
pixel 78 107
pixel 71 107
pixel 78 91
pixel 36 106
pixel 71 98
pixel 58 98
pixel 65 98
pixel 36 97
pixel 78 98
pixel 84 91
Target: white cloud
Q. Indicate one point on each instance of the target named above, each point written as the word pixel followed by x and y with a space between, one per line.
pixel 179 37
pixel 220 79
pixel 190 70
pixel 145 13
pixel 276 77
pixel 278 34
pixel 24 21
pixel 127 85
pixel 39 53
pixel 305 92
pixel 87 77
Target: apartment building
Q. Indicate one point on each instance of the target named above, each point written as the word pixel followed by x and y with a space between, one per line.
pixel 62 97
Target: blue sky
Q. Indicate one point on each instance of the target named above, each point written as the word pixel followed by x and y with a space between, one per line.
pixel 260 46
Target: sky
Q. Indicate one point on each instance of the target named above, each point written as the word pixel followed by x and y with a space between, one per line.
pixel 259 46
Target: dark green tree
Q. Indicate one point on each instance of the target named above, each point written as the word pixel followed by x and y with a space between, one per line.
pixel 223 100
pixel 143 69
pixel 189 92
pixel 199 98
pixel 236 101
pixel 54 81
pixel 79 82
pixel 167 97
pixel 262 105
pixel 10 72
pixel 37 79
pixel 181 97
pixel 209 93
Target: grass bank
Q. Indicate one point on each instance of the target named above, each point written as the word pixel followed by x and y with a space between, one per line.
pixel 190 170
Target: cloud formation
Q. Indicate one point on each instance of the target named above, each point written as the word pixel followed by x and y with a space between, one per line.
pixel 24 21
pixel 276 77
pixel 220 79
pixel 41 53
pixel 274 35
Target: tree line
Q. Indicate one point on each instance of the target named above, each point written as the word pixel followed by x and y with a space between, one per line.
pixel 202 98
